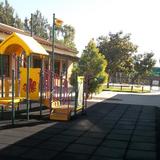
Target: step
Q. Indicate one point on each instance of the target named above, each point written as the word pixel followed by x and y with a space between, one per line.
pixel 62 110
pixel 60 116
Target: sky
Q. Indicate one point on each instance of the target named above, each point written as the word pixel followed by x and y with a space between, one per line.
pixel 93 18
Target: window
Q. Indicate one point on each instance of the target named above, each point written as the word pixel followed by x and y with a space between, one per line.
pixel 37 63
pixel 4 60
pixel 64 68
pixel 57 67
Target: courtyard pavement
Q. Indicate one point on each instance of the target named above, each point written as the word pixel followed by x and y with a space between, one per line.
pixel 110 130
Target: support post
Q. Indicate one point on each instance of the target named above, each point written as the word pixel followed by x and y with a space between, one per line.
pixel 60 91
pixel 83 101
pixel 31 24
pixel 76 95
pixel 41 86
pixel 52 65
pixel 13 107
pixel 28 86
pixel 18 76
pixel 2 77
pixel 2 83
pixel 31 56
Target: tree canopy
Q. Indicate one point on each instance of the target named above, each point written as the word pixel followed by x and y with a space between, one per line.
pixel 143 64
pixel 92 65
pixel 118 50
pixel 66 35
pixel 37 24
pixel 7 15
pixel 40 26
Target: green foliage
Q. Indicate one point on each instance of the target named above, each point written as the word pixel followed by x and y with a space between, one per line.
pixel 75 71
pixel 118 50
pixel 66 34
pixel 91 65
pixel 143 65
pixel 7 15
pixel 18 23
pixel 39 25
pixel 69 35
pixel 26 25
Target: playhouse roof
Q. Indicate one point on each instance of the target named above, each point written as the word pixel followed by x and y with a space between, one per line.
pixel 17 42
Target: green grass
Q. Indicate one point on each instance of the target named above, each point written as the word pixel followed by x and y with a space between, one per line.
pixel 136 89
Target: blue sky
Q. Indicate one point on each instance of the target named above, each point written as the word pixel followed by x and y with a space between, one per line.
pixel 92 18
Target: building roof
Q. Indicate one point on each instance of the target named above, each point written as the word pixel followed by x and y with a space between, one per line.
pixel 18 42
pixel 59 48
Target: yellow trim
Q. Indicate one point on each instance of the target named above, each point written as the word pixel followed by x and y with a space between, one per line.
pixel 15 42
pixel 8 100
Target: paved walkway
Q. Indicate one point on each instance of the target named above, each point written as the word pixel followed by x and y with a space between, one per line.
pixel 152 98
pixel 109 131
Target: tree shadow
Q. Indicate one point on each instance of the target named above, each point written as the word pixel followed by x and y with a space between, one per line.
pixel 84 137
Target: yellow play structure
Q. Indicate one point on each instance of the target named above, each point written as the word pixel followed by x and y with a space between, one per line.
pixel 17 46
pixel 26 83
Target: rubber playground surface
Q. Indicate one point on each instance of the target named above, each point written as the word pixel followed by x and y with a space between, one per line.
pixel 108 131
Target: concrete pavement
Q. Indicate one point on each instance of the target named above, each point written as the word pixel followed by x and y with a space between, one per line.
pixel 151 99
pixel 111 130
pixel 108 132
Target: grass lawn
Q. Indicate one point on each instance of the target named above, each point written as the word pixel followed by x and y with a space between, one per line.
pixel 127 88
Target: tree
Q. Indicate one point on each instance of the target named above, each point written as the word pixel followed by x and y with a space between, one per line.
pixel 118 50
pixel 18 23
pixel 40 25
pixel 92 65
pixel 143 64
pixel 26 25
pixel 7 15
pixel 66 34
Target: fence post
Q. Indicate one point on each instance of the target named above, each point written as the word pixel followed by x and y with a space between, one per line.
pixel 132 88
pixel 142 88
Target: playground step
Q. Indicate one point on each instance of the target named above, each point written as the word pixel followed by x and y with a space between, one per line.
pixel 59 117
pixel 62 110
pixel 62 114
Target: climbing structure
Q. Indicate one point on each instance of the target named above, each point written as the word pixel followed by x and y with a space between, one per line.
pixel 60 103
pixel 17 46
pixel 35 84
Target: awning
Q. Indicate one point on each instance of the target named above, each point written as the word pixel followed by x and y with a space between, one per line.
pixel 16 43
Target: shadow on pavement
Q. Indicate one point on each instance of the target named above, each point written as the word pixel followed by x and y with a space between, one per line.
pixel 107 131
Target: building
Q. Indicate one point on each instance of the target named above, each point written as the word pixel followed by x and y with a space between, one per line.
pixel 64 56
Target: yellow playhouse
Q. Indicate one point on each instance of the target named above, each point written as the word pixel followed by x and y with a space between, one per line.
pixel 28 83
